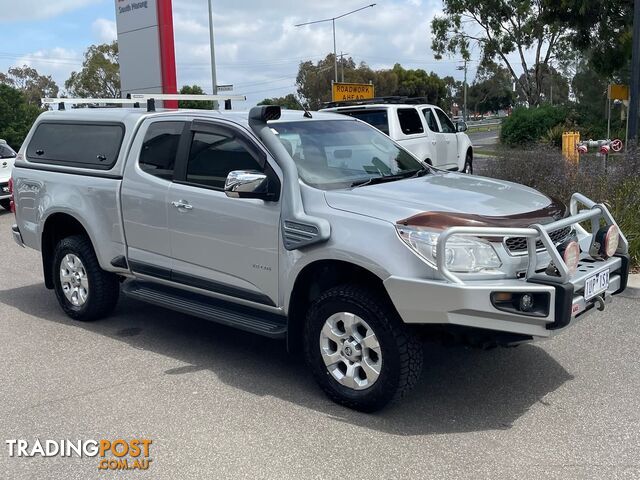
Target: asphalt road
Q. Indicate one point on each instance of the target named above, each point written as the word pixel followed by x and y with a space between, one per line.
pixel 484 139
pixel 223 404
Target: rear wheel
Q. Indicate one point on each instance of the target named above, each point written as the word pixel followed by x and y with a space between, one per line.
pixel 85 291
pixel 360 352
pixel 6 204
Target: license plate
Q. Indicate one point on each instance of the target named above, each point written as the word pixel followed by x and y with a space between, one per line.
pixel 596 284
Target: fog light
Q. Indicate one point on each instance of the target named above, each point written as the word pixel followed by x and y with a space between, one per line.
pixel 531 304
pixel 526 303
pixel 605 243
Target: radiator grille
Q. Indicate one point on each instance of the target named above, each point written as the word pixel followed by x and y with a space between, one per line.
pixel 518 245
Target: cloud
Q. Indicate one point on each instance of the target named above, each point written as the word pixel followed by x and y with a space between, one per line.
pixel 39 9
pixel 57 62
pixel 104 30
pixel 258 48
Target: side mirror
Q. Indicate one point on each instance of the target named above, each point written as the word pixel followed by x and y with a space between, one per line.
pixel 247 184
pixel 462 126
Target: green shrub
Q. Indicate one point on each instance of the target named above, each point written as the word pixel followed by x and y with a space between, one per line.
pixel 615 182
pixel 553 136
pixel 526 126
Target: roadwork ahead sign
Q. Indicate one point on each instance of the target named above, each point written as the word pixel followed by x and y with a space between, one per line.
pixel 342 92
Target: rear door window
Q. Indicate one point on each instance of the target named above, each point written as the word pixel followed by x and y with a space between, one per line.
pixel 410 122
pixel 82 145
pixel 376 118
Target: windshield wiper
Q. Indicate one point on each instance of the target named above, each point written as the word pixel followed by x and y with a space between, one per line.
pixel 391 178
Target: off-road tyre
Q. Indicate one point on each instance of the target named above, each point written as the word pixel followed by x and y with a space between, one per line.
pixel 402 353
pixel 104 287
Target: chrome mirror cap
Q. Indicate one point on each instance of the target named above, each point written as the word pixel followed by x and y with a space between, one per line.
pixel 246 184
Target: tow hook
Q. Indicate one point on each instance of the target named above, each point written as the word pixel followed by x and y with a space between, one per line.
pixel 599 302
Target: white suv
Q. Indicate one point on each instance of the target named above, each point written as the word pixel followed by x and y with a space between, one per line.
pixel 425 130
pixel 7 157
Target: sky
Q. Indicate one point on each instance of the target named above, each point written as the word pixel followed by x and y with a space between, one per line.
pixel 258 48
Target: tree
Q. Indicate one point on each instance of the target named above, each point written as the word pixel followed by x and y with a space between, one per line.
pixel 419 83
pixel 194 90
pixel 590 89
pixel 492 89
pixel 602 31
pixel 503 27
pixel 16 115
pixel 33 85
pixel 454 93
pixel 289 102
pixel 314 81
pixel 100 74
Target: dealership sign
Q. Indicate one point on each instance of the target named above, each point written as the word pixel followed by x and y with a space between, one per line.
pixel 146 46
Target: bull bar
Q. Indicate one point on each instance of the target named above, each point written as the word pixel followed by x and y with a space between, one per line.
pixel 595 212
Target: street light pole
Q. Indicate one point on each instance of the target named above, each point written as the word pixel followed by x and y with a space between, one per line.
pixel 465 117
pixel 335 51
pixel 214 81
pixel 333 22
pixel 635 75
pixel 342 55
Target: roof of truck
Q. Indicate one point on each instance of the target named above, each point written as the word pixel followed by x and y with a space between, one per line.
pixel 378 106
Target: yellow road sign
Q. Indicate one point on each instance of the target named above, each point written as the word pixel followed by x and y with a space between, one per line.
pixel 342 92
pixel 619 92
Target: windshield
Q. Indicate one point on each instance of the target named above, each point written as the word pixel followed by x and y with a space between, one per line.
pixel 334 154
pixel 6 151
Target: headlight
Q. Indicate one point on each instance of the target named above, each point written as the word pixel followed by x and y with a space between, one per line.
pixel 463 254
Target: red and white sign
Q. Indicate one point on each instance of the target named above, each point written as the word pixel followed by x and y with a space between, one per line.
pixel 146 47
pixel 617 145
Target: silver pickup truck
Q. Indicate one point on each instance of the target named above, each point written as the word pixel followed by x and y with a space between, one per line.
pixel 314 227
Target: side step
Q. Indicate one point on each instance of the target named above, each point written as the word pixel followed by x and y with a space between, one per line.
pixel 237 316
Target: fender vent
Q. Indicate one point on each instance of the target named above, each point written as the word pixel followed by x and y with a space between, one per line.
pixel 298 234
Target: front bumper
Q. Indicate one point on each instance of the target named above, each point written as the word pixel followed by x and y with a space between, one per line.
pixel 439 302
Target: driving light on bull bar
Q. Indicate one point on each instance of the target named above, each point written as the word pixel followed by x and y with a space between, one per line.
pixel 462 254
pixel 570 252
pixel 605 243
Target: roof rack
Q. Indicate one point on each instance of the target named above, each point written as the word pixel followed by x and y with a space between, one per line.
pixel 391 100
pixel 136 99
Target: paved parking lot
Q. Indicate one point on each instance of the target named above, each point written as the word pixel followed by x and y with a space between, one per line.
pixel 223 404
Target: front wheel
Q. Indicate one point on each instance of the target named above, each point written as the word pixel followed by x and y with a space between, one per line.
pixel 6 204
pixel 84 291
pixel 360 352
pixel 468 165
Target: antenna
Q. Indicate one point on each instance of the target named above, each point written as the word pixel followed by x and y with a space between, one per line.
pixel 307 113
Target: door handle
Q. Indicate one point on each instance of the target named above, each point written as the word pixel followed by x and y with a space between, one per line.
pixel 182 204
